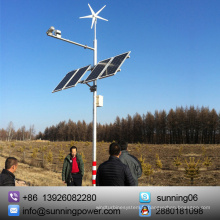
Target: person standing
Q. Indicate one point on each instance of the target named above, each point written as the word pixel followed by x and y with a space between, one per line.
pixel 131 161
pixel 113 172
pixel 7 177
pixel 73 168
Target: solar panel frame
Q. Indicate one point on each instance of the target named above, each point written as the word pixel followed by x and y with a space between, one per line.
pixel 96 72
pixel 126 55
pixel 69 85
pixel 64 81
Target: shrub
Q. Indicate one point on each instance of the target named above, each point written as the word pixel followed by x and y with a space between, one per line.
pixel 207 162
pixel 43 148
pixel 21 149
pixel 34 154
pixel 158 162
pixel 87 143
pixel 146 167
pixel 83 157
pixel 203 151
pixel 72 143
pixel 177 162
pixel 192 169
pixel 1 149
pixel 148 170
pixel 61 155
pixel 180 151
pixel 50 157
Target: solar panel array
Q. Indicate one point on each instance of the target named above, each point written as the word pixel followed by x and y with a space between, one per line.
pixel 108 67
pixel 78 75
pixel 71 79
pixel 114 65
pixel 64 81
pixel 97 71
pixel 104 68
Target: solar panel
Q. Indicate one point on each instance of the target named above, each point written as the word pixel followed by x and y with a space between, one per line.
pixel 104 68
pixel 98 70
pixel 77 76
pixel 64 81
pixel 114 65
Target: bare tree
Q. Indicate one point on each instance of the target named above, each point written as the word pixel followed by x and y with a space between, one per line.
pixel 214 120
pixel 180 119
pixel 10 131
pixel 117 129
pixel 3 135
pixel 149 128
pixel 138 128
pixel 19 134
pixel 23 131
pixel 171 125
pixel 31 131
pixel 181 126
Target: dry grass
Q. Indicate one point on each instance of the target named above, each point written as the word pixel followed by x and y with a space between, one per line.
pixel 35 176
pixel 168 175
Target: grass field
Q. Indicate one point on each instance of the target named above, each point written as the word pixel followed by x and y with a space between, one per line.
pixel 40 162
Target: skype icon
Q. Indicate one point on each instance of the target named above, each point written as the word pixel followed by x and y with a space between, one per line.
pixel 144 197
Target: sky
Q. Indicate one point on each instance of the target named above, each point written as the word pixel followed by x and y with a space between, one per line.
pixel 174 60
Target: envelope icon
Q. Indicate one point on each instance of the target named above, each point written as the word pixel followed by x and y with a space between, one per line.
pixel 13 210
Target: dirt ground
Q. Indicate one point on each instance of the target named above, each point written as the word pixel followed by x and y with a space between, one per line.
pixel 166 174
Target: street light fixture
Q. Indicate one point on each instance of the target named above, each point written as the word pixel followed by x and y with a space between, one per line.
pixel 50 30
pixel 57 34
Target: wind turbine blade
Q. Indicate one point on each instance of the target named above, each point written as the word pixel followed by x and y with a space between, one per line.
pixel 93 20
pixel 88 16
pixel 100 10
pixel 91 9
pixel 101 18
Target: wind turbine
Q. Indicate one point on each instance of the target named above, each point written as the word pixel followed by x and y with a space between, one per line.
pixel 94 17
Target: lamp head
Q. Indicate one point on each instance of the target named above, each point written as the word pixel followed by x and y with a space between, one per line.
pixel 57 33
pixel 50 30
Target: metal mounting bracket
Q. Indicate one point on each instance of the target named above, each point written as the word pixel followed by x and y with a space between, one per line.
pixel 93 88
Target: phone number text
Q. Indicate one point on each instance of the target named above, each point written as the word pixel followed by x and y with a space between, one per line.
pixel 69 197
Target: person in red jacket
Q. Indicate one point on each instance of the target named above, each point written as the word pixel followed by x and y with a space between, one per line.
pixel 73 168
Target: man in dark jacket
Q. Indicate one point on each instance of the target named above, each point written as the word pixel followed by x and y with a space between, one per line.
pixel 113 172
pixel 7 177
pixel 131 161
pixel 73 168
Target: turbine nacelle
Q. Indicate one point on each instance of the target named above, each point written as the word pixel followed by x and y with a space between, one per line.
pixel 94 15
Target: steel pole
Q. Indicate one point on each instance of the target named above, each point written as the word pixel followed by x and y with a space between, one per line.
pixel 94 113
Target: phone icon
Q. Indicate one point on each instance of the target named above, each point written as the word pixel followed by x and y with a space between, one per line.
pixel 13 196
